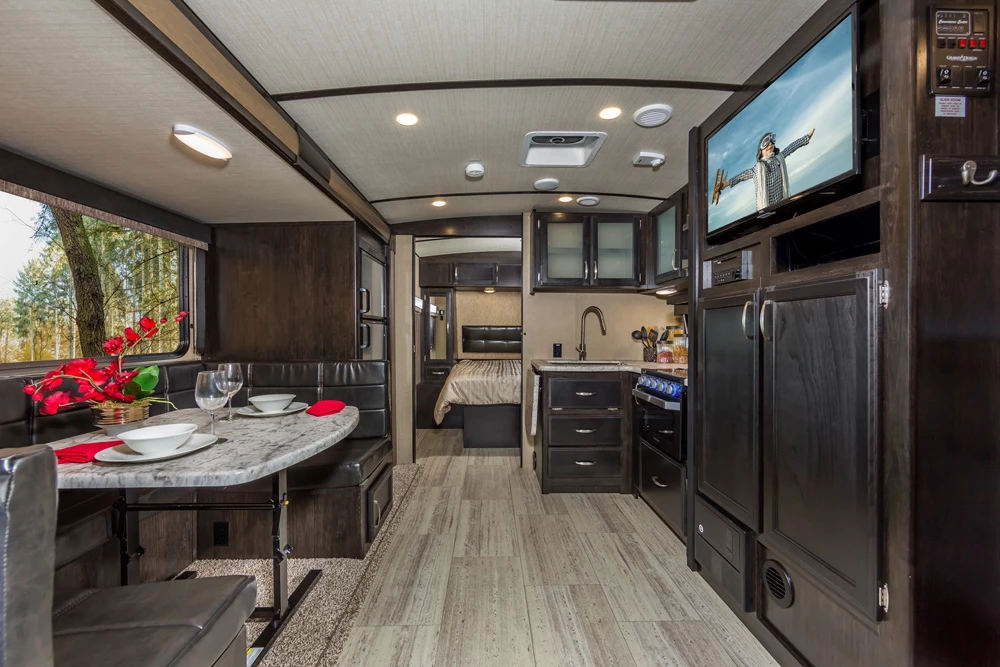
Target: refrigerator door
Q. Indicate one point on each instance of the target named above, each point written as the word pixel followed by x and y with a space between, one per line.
pixel 371 301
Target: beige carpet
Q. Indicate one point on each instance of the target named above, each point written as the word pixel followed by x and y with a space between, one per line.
pixel 316 634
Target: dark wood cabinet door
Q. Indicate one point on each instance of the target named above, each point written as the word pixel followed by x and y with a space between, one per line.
pixel 436 274
pixel 666 244
pixel 508 275
pixel 728 448
pixel 475 273
pixel 820 430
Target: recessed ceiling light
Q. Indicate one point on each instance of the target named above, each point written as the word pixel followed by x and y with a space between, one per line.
pixel 439 203
pixel 490 290
pixel 565 199
pixel 666 291
pixel 407 119
pixel 610 113
pixel 547 183
pixel 205 144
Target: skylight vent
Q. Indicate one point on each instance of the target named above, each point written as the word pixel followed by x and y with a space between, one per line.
pixel 560 149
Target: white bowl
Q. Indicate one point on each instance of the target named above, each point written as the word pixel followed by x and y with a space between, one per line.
pixel 272 402
pixel 158 439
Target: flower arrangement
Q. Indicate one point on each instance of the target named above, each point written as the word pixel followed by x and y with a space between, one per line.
pixel 111 385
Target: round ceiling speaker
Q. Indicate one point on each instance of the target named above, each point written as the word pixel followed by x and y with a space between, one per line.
pixel 547 184
pixel 475 170
pixel 653 115
pixel 588 200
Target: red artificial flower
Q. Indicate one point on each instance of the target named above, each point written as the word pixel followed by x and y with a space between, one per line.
pixel 163 320
pixel 132 336
pixel 37 397
pixel 30 389
pixel 49 384
pixel 181 315
pixel 54 401
pixel 114 392
pixel 152 332
pixel 95 396
pixel 77 366
pixel 114 346
pixel 146 323
pixel 112 368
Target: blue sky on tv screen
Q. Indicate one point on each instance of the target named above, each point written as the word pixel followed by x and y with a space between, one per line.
pixel 815 92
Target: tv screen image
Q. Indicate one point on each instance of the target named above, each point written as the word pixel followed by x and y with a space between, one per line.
pixel 797 134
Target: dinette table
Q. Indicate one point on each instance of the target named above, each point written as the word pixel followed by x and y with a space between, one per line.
pixel 248 449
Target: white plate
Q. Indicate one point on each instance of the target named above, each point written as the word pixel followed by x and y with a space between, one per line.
pixel 250 411
pixel 122 453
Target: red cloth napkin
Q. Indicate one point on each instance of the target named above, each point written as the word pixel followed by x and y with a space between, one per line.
pixel 324 408
pixel 83 453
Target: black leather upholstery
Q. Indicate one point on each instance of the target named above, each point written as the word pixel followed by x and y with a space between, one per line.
pixel 302 379
pixel 27 534
pixel 348 463
pixel 491 339
pixel 15 413
pixel 365 385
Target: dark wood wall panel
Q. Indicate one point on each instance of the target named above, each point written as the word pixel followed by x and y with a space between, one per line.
pixel 282 292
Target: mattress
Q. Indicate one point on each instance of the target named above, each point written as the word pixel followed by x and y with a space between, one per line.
pixel 480 382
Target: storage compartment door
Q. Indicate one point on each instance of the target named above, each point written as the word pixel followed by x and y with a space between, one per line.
pixel 372 297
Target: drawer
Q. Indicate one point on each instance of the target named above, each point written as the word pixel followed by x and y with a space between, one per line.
pixel 378 500
pixel 661 483
pixel 569 462
pixel 662 428
pixel 585 393
pixel 723 534
pixel 732 583
pixel 570 430
pixel 434 373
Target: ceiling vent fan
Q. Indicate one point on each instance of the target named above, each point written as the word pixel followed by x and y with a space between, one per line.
pixel 561 149
pixel 653 115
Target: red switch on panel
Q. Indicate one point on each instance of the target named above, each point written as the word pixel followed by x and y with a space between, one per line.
pixel 962 43
pixel 982 43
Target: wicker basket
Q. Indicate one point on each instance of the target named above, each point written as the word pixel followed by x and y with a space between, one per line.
pixel 115 419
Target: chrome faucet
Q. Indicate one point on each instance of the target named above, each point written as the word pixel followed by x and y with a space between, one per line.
pixel 582 347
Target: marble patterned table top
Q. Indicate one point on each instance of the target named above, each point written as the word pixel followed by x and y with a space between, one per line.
pixel 255 448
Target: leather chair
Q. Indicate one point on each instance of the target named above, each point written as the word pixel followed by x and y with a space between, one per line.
pixel 190 623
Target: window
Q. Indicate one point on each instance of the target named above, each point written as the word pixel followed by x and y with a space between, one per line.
pixel 68 281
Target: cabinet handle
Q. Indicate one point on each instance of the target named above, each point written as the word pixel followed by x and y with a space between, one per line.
pixel 586 271
pixel 366 337
pixel 656 481
pixel 586 393
pixel 378 513
pixel 664 432
pixel 747 333
pixel 763 314
pixel 673 260
pixel 366 300
pixel 586 463
pixel 437 372
pixel 595 269
pixel 585 430
pixel 456 273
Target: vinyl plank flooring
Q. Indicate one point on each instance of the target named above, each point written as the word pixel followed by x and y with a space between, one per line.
pixel 432 511
pixel 574 626
pixel 636 583
pixel 486 483
pixel 486 528
pixel 438 442
pixel 391 646
pixel 551 551
pixel 443 471
pixel 412 582
pixel 675 644
pixel 485 621
pixel 528 498
pixel 509 459
pixel 596 513
pixel 655 534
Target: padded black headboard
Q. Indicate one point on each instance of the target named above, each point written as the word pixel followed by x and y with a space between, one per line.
pixel 491 339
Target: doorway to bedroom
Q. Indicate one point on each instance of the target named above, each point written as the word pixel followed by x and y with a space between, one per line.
pixel 467 344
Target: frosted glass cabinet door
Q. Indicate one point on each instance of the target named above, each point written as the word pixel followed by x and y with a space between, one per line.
pixel 565 248
pixel 666 244
pixel 616 252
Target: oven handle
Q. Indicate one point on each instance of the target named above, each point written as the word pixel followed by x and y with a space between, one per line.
pixel 656 481
pixel 657 401
pixel 663 431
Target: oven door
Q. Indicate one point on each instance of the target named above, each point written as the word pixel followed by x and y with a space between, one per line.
pixel 662 428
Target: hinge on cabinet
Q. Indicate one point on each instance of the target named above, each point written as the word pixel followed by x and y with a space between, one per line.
pixel 884 293
pixel 883 597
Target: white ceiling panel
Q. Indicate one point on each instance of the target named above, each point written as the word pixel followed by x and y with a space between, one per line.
pixel 436 247
pixel 81 93
pixel 482 205
pixel 387 160
pixel 293 45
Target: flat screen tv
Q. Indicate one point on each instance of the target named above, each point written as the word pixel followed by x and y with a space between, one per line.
pixel 796 137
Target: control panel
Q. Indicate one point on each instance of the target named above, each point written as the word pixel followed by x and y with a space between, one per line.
pixel 729 269
pixel 961 51
pixel 663 387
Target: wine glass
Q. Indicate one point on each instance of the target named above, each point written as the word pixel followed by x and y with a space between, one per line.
pixel 233 382
pixel 211 393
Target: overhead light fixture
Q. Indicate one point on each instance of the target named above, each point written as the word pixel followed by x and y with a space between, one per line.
pixel 565 199
pixel 610 113
pixel 407 119
pixel 439 203
pixel 490 290
pixel 588 200
pixel 203 143
pixel 547 183
pixel 666 291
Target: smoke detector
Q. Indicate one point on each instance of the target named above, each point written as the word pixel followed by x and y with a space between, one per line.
pixel 547 184
pixel 649 159
pixel 653 115
pixel 588 200
pixel 475 170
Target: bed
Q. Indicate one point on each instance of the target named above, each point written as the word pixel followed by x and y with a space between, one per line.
pixel 489 390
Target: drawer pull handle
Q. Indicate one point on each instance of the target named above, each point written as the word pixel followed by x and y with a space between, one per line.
pixel 586 463
pixel 664 431
pixel 378 513
pixel 656 480
pixel 586 393
pixel 437 372
pixel 585 430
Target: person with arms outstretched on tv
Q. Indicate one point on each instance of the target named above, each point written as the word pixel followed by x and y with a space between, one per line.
pixel 769 174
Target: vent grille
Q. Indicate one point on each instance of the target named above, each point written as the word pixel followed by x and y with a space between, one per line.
pixel 778 584
pixel 653 115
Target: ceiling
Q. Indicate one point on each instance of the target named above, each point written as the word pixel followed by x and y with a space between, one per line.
pixel 125 98
pixel 436 247
pixel 87 97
